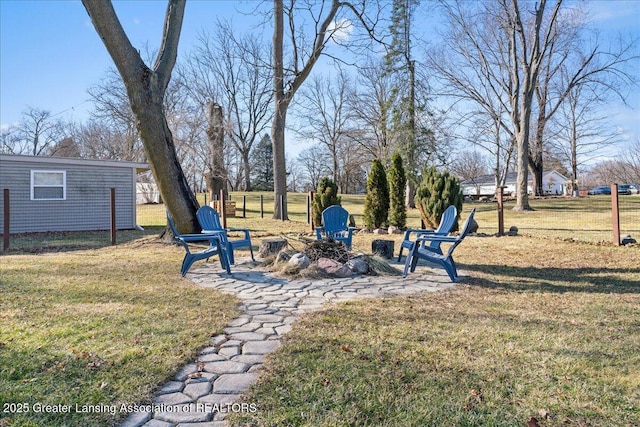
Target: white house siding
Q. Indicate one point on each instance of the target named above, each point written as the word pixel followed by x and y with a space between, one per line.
pixel 553 183
pixel 87 205
pixel 147 192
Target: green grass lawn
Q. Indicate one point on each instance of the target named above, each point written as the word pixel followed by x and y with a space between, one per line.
pixel 101 326
pixel 540 329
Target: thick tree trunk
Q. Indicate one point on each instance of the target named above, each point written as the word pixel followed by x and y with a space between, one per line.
pixel 536 162
pixel 217 176
pixel 536 176
pixel 279 116
pixel 146 89
pixel 167 172
pixel 246 169
pixel 279 178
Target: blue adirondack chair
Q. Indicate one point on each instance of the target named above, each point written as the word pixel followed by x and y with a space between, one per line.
pixel 446 223
pixel 209 220
pixel 215 247
pixel 335 220
pixel 445 260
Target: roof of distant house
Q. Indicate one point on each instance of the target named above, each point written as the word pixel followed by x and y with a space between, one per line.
pixel 511 178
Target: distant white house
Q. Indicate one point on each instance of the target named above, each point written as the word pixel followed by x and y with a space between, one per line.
pixel 147 190
pixel 553 182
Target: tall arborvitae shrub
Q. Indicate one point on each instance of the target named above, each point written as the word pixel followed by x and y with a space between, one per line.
pixel 397 184
pixel 376 202
pixel 436 192
pixel 326 195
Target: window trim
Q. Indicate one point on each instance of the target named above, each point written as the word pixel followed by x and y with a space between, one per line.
pixel 33 186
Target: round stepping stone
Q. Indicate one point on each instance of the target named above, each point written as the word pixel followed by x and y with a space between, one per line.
pixel 226 367
pixel 234 383
pixel 260 347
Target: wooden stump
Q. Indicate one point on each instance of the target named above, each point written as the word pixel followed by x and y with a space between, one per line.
pixel 272 246
pixel 383 248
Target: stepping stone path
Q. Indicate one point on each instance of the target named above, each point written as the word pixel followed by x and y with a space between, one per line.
pixel 205 391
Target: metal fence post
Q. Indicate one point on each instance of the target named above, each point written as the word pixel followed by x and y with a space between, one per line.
pixel 261 206
pixel 113 216
pixel 500 211
pixel 7 219
pixel 615 214
pixel 244 206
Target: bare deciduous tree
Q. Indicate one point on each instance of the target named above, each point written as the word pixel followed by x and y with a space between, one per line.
pixel 580 132
pixel 313 162
pixel 325 118
pixel 470 165
pixel 576 70
pixel 113 109
pixel 372 106
pixel 502 45
pixel 328 25
pixel 233 71
pixel 146 88
pixel 36 133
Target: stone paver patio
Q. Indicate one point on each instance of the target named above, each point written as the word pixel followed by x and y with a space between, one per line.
pixel 203 392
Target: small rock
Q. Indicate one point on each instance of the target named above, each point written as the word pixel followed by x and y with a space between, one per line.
pixel 333 268
pixel 380 231
pixel 474 226
pixel 300 260
pixel 513 231
pixel 628 240
pixel 393 230
pixel 282 257
pixel 358 266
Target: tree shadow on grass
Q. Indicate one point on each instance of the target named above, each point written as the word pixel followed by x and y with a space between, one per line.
pixel 67 241
pixel 560 280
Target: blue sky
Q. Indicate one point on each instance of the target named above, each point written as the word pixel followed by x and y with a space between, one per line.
pixel 50 53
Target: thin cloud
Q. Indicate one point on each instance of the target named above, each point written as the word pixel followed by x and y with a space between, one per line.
pixel 340 31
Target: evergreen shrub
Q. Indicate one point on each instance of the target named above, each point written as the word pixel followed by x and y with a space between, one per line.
pixel 376 203
pixel 436 192
pixel 326 195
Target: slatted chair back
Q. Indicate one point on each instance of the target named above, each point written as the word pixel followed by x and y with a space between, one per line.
pixel 209 220
pixel 447 221
pixel 466 227
pixel 335 219
pixel 335 225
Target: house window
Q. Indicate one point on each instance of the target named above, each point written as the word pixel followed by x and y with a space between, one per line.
pixel 48 185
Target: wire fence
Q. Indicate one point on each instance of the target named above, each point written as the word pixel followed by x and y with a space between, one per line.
pixel 585 219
